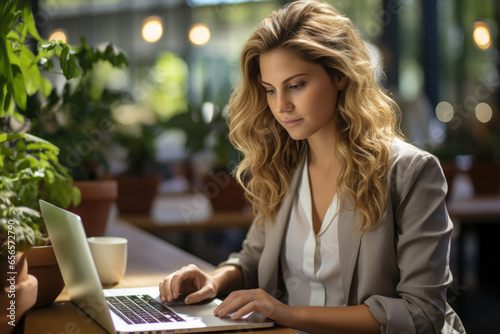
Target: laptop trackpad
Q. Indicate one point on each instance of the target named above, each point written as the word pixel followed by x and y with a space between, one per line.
pixel 202 309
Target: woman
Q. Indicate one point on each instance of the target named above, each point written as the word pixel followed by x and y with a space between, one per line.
pixel 351 231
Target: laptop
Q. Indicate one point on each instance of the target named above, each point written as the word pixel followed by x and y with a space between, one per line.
pixel 127 310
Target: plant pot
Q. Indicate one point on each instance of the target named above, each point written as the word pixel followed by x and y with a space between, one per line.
pixel 224 191
pixel 98 198
pixel 136 194
pixel 42 264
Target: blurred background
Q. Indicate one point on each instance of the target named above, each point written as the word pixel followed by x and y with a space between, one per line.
pixel 440 60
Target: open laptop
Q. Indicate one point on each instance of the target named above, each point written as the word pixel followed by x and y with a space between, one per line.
pixel 130 310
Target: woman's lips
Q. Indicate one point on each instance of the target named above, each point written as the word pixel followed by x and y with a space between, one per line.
pixel 292 123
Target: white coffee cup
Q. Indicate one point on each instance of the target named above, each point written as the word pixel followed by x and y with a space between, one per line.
pixel 110 257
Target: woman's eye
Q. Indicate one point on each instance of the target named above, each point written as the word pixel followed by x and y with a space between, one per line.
pixel 270 91
pixel 297 86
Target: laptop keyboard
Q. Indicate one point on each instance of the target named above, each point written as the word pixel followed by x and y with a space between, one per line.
pixel 141 309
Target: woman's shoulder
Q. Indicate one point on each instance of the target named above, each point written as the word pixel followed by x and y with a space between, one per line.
pixel 402 151
pixel 407 161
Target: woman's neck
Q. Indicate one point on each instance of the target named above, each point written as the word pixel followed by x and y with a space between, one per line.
pixel 322 153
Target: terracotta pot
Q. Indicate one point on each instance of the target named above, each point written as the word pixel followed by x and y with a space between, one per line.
pixel 43 265
pixel 98 198
pixel 136 194
pixel 223 191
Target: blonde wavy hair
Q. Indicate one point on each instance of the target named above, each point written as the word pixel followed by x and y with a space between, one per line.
pixel 365 118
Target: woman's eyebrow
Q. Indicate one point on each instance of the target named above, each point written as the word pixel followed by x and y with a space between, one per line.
pixel 286 80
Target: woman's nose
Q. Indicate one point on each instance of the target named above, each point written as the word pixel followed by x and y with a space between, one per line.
pixel 284 103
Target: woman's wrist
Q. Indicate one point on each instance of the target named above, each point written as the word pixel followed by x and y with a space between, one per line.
pixel 227 278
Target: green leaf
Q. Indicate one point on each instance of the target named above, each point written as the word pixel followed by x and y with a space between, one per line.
pixel 23 26
pixel 43 142
pixel 73 71
pixel 77 197
pixel 109 51
pixel 29 21
pixel 68 64
pixel 8 18
pixel 49 177
pixel 42 145
pixel 45 87
pixel 29 194
pixel 17 87
pixel 59 192
pixel 31 73
pixel 63 57
pixel 3 137
pixel 5 69
pixel 3 91
pixel 16 115
pixel 25 238
pixel 28 162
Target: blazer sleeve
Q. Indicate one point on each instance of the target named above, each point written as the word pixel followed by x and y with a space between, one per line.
pixel 422 241
pixel 248 258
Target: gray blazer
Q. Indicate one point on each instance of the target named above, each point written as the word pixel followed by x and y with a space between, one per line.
pixel 399 269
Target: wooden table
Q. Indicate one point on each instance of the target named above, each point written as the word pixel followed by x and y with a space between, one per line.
pixel 149 260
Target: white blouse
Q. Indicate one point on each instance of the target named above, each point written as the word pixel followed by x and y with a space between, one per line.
pixel 310 262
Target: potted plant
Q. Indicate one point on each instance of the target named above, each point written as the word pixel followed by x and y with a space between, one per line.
pixel 30 170
pixel 79 121
pixel 166 95
pixel 81 125
pixel 19 222
pixel 207 130
pixel 140 176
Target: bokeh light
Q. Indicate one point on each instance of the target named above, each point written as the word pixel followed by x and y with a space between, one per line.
pixel 444 111
pixel 58 35
pixel 199 34
pixel 481 35
pixel 152 29
pixel 483 112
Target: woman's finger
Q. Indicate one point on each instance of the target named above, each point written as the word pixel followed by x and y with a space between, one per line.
pixel 245 309
pixel 205 292
pixel 165 290
pixel 233 302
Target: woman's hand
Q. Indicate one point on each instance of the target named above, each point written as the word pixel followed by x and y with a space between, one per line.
pixel 243 302
pixel 190 281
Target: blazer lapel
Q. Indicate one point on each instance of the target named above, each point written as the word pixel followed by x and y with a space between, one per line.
pixel 275 230
pixel 349 244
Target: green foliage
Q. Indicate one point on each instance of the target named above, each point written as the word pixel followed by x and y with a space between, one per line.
pixel 167 93
pixel 141 148
pixel 20 75
pixel 29 170
pixel 22 223
pixel 80 124
pixel 207 134
pixel 78 120
pixel 21 79
pixel 29 166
